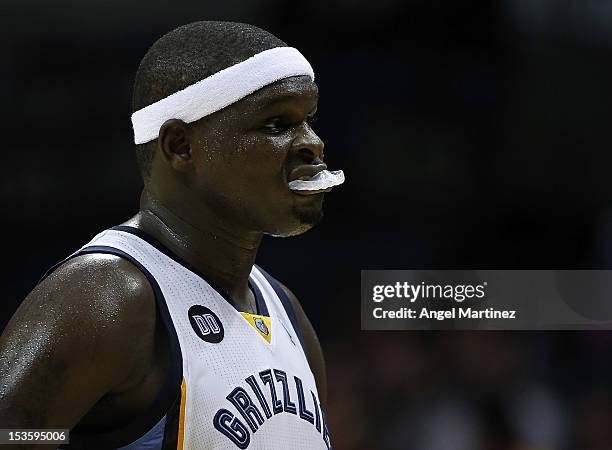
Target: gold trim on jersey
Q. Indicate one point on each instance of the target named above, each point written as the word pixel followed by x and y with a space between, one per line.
pixel 181 430
pixel 261 324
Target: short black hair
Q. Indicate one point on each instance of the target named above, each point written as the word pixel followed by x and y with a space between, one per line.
pixel 189 54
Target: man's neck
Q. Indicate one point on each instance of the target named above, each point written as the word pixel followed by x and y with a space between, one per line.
pixel 224 255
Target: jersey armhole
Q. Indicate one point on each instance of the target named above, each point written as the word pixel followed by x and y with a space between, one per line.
pixel 166 400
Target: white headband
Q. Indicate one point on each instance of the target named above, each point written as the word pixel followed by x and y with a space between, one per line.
pixel 219 90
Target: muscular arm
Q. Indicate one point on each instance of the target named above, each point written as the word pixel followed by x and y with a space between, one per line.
pixel 313 350
pixel 71 342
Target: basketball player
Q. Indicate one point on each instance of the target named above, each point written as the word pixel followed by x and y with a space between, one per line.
pixel 162 332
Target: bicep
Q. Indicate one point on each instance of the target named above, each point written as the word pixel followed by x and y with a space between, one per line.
pixel 60 353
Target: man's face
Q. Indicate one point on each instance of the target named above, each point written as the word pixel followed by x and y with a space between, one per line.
pixel 246 154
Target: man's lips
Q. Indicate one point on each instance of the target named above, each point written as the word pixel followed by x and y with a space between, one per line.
pixel 306 172
pixel 307 193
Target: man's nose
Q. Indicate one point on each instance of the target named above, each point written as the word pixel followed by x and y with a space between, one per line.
pixel 308 145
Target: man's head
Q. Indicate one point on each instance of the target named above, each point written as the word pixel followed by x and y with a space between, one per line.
pixel 236 162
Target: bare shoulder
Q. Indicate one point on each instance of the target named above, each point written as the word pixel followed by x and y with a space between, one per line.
pixel 71 340
pixel 313 350
pixel 96 296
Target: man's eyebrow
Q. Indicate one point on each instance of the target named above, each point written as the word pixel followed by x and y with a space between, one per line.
pixel 272 100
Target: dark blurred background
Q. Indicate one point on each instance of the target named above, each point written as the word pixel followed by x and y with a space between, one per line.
pixel 473 135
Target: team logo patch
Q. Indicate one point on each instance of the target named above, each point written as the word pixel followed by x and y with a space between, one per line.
pixel 261 325
pixel 206 324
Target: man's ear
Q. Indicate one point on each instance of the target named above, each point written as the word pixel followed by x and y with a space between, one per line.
pixel 174 144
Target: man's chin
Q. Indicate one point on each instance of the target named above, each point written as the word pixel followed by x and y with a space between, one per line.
pixel 308 216
pixel 304 220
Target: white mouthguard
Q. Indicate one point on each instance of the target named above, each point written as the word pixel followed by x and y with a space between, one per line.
pixel 323 180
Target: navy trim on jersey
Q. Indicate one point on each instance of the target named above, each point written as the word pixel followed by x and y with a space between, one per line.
pixel 287 304
pixel 151 440
pixel 167 394
pixel 262 308
pixel 171 429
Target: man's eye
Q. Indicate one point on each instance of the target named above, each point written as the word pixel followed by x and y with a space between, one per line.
pixel 312 118
pixel 275 125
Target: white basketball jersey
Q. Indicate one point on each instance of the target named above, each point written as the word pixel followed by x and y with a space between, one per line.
pixel 246 382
